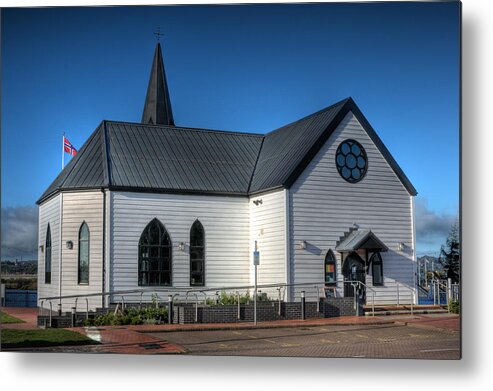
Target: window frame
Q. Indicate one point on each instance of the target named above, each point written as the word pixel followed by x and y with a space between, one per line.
pixel 377 256
pixel 88 240
pixel 195 224
pixel 48 254
pixel 164 266
pixel 342 168
pixel 330 258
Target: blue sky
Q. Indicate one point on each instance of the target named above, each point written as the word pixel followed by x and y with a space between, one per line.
pixel 243 68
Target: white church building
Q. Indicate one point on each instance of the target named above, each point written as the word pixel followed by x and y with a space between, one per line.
pixel 156 205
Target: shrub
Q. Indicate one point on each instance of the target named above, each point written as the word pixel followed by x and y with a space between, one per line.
pixel 150 314
pixel 231 298
pixel 454 307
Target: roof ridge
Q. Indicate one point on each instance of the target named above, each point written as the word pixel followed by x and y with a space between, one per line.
pixel 229 132
pixel 341 102
pixel 255 165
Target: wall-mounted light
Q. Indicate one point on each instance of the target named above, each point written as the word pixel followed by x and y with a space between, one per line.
pixel 401 246
pixel 258 202
pixel 181 246
pixel 69 244
pixel 42 248
pixel 355 226
pixel 302 244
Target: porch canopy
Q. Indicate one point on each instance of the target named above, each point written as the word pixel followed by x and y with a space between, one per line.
pixel 362 239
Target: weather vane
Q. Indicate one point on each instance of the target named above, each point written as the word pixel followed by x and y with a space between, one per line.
pixel 157 33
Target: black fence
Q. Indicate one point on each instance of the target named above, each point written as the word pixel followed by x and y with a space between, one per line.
pixel 21 298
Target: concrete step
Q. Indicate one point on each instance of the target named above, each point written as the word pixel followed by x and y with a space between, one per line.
pixel 404 310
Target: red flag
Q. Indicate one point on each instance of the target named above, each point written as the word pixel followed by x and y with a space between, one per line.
pixel 68 147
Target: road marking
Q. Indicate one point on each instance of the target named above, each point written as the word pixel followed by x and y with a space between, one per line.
pixel 362 336
pixel 323 340
pixel 271 341
pixel 362 356
pixel 236 332
pixel 437 350
pixel 252 336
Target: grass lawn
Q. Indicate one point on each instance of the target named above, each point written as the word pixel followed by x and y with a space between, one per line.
pixel 40 338
pixel 6 318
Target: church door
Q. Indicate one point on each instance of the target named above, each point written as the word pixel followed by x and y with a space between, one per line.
pixel 353 270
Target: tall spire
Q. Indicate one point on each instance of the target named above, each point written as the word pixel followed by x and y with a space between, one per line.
pixel 157 107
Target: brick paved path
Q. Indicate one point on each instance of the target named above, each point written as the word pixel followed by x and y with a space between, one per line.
pixel 424 336
pixel 372 341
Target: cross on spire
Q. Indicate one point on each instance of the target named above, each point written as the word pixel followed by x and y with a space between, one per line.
pixel 157 33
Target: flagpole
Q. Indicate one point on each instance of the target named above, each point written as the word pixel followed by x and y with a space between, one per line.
pixel 63 150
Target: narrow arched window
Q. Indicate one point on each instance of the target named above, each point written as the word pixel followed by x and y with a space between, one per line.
pixel 83 254
pixel 154 255
pixel 48 256
pixel 330 268
pixel 197 254
pixel 377 269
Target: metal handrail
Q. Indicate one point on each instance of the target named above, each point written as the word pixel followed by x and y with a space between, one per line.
pixel 173 289
pixel 195 291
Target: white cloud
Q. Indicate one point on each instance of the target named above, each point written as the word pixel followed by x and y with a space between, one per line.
pixel 432 228
pixel 19 232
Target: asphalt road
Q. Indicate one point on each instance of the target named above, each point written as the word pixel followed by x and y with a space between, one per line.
pixel 383 341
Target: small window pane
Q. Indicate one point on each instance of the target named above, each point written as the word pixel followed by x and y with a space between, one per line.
pixel 197 254
pixel 48 256
pixel 377 269
pixel 154 255
pixel 330 268
pixel 84 240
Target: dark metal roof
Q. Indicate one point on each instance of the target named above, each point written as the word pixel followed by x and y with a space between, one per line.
pixel 157 107
pixel 141 157
pixel 286 148
pixel 85 170
pixel 180 159
pixel 360 239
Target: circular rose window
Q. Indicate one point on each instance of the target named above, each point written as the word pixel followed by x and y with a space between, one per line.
pixel 351 161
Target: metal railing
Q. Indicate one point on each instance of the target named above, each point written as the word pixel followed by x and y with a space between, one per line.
pixel 206 293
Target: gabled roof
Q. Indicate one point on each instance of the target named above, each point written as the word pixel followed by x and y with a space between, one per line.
pixel 360 239
pixel 154 158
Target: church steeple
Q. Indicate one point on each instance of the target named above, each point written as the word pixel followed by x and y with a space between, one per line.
pixel 157 107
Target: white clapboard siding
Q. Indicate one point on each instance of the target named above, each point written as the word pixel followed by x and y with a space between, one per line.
pixel 323 206
pixel 225 221
pixel 80 207
pixel 267 227
pixel 49 213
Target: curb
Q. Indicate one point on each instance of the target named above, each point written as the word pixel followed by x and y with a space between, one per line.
pixel 257 327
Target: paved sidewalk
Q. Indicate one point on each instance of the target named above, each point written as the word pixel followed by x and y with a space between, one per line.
pixel 442 322
pixel 139 339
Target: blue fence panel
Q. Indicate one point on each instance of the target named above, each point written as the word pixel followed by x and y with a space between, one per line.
pixel 21 298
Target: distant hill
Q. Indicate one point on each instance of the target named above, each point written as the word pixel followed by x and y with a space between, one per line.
pixel 19 267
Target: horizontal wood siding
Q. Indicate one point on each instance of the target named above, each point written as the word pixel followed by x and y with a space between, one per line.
pixel 49 213
pixel 267 227
pixel 225 221
pixel 78 208
pixel 323 206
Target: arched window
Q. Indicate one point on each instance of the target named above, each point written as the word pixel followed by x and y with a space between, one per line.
pixel 330 268
pixel 83 254
pixel 377 269
pixel 154 255
pixel 197 254
pixel 48 256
